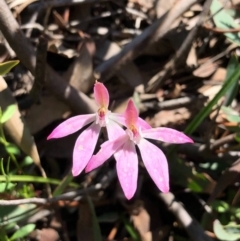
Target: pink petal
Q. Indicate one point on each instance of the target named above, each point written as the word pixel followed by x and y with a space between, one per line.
pixel 131 114
pixel 156 164
pixel 166 135
pixel 84 148
pixel 71 125
pixel 120 118
pixel 127 168
pixel 108 148
pixel 114 130
pixel 101 95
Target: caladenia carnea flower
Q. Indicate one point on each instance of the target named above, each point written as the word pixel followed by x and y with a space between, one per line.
pixel 87 140
pixel 125 154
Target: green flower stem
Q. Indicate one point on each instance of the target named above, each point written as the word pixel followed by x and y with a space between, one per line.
pixel 26 178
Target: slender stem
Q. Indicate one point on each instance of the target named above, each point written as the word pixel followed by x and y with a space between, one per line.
pixel 26 178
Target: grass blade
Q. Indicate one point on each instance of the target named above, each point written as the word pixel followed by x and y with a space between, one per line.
pixel 233 78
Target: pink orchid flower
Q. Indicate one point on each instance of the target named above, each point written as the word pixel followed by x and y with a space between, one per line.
pixel 125 154
pixel 87 140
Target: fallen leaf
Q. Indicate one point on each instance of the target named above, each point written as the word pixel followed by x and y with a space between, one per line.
pixel 205 70
pixel 56 46
pixel 128 73
pixel 47 111
pixel 16 127
pixel 45 234
pixel 219 75
pixel 166 117
pixel 163 6
pixel 80 72
pixel 84 224
pixel 141 221
pixel 192 57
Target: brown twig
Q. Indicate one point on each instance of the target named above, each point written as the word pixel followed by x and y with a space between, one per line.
pixel 174 103
pixel 181 54
pixel 73 195
pixel 40 72
pixel 192 227
pixel 200 153
pixel 223 141
pixel 150 35
pixel 77 101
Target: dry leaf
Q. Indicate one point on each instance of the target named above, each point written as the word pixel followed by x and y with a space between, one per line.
pixel 192 57
pixel 59 20
pixel 128 73
pixel 219 75
pixel 80 73
pixel 49 110
pixel 211 92
pixel 205 70
pixel 84 224
pixel 16 126
pixel 141 221
pixel 166 117
pixel 57 47
pixel 48 234
pixel 163 6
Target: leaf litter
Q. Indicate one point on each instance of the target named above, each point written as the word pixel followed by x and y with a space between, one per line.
pixel 86 39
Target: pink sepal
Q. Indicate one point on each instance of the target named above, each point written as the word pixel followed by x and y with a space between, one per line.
pixel 71 125
pixel 156 164
pixel 101 95
pixel 166 135
pixel 84 148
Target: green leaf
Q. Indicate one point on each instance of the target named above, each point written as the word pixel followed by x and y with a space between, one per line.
pixel 228 111
pixel 6 186
pixel 194 186
pixel 220 206
pixel 23 231
pixel 7 66
pixel 232 92
pixel 233 118
pixel 204 112
pixel 237 138
pixel 3 235
pixel 231 115
pixel 27 161
pixel 11 214
pixel 223 234
pixel 37 179
pixel 63 184
pixel 224 20
pixel 12 149
pixel 8 113
pixel 131 230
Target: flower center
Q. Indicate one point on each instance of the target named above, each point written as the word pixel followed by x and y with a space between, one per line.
pixel 102 117
pixel 134 134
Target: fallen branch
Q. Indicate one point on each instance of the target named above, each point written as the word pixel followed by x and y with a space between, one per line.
pixel 150 35
pixel 181 54
pixel 172 104
pixel 73 195
pixel 220 142
pixel 77 101
pixel 192 227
